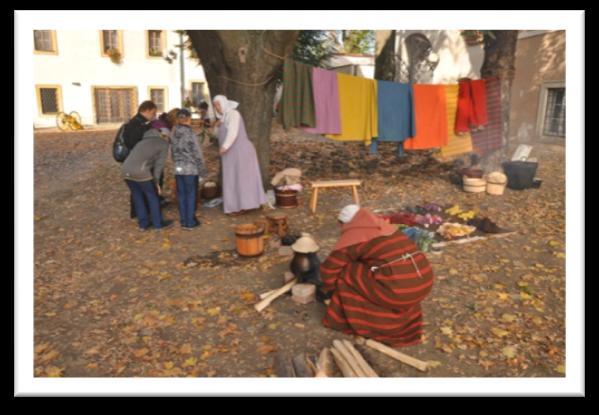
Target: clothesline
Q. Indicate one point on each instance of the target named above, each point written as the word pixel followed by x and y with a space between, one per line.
pixel 352 108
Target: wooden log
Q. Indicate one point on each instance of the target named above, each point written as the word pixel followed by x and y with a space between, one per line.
pixel 275 294
pixel 283 367
pixel 340 347
pixel 324 365
pixel 360 359
pixel 311 361
pixel 266 294
pixel 343 365
pixel 404 358
pixel 302 369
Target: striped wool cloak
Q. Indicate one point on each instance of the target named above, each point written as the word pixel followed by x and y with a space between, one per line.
pixel 384 304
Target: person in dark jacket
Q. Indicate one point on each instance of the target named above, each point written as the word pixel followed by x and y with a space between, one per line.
pixel 135 129
pixel 139 124
pixel 188 163
pixel 142 170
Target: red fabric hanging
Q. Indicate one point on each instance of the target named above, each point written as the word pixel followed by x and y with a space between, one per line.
pixel 472 105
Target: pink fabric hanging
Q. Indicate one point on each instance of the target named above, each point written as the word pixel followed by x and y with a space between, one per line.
pixel 326 102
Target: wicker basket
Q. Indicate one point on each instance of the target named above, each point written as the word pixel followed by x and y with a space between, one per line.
pixel 474 185
pixel 496 183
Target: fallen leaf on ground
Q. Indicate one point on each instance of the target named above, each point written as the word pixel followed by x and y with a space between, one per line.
pixel 499 332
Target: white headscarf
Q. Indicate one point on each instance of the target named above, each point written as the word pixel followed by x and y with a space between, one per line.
pixel 225 105
pixel 348 213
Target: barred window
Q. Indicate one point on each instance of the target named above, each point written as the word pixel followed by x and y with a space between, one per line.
pixel 555 113
pixel 110 40
pixel 114 104
pixel 155 42
pixel 43 41
pixel 157 97
pixel 49 100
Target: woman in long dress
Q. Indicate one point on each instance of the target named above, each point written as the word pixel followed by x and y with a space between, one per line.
pixel 242 181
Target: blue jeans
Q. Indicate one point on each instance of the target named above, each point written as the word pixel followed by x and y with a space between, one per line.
pixel 147 189
pixel 187 193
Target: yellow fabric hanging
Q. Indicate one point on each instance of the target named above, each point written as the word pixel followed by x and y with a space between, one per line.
pixel 358 108
pixel 456 144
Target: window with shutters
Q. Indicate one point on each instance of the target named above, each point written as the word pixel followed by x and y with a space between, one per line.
pixel 44 41
pixel 158 97
pixel 554 123
pixel 49 99
pixel 114 104
pixel 156 43
pixel 111 40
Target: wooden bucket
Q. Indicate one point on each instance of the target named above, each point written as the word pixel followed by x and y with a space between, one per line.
pixel 249 240
pixel 496 184
pixel 474 185
pixel 286 199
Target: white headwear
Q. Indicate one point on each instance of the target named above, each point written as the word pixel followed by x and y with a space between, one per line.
pixel 225 105
pixel 348 213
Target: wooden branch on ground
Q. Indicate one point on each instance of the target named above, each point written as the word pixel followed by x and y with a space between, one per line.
pixel 343 365
pixel 266 294
pixel 283 367
pixel 360 359
pixel 274 295
pixel 404 358
pixel 473 239
pixel 324 365
pixel 302 369
pixel 349 358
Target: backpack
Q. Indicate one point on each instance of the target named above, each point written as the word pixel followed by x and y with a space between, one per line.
pixel 119 149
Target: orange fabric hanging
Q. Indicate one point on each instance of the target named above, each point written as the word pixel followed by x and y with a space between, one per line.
pixel 431 118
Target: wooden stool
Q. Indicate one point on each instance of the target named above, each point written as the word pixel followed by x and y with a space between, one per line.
pixel 277 223
pixel 353 183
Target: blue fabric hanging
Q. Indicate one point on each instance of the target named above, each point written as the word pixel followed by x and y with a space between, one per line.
pixel 396 120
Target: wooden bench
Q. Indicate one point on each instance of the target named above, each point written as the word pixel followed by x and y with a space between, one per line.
pixel 321 184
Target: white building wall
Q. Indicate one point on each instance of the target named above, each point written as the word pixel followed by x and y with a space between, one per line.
pixel 79 61
pixel 456 59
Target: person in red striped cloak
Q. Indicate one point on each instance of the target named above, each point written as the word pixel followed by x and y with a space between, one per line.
pixel 376 278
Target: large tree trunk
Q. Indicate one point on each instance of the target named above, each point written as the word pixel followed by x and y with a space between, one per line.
pixel 500 61
pixel 236 65
pixel 386 59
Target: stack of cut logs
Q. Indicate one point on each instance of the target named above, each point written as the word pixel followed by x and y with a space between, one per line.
pixel 343 353
pixel 347 358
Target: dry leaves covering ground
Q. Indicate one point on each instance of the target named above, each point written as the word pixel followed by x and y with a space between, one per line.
pixel 111 301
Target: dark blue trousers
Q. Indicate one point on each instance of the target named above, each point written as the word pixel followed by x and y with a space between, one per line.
pixel 139 190
pixel 187 194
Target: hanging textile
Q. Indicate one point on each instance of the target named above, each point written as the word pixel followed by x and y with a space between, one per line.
pixel 358 109
pixel 297 102
pixel 326 102
pixel 431 118
pixel 456 144
pixel 491 137
pixel 472 106
pixel 396 120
